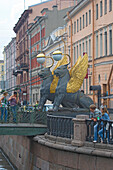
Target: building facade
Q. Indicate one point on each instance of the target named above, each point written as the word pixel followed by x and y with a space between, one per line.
pixel 41 33
pixel 22 39
pixel 90 27
pixel 10 64
pixel 2 75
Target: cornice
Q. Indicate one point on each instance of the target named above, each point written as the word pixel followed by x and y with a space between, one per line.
pixel 23 17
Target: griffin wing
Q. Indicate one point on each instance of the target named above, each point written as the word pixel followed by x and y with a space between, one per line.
pixel 78 74
pixel 55 78
pixel 79 59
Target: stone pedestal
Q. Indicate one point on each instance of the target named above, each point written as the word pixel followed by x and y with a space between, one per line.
pixel 80 130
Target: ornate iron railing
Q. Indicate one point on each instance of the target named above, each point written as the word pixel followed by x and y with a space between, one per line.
pixel 22 115
pixel 60 126
pixel 107 127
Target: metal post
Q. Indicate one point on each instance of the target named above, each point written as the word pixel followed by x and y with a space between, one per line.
pixel 40 37
pixel 30 68
pixel 71 39
pixel 93 52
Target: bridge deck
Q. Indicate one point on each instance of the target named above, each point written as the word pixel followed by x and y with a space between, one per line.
pixel 25 129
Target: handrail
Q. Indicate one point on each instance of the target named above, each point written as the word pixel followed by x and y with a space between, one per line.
pixel 107 127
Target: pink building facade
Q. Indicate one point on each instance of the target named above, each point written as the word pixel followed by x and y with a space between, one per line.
pixel 92 32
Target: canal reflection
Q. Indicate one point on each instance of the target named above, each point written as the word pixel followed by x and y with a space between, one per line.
pixel 4 162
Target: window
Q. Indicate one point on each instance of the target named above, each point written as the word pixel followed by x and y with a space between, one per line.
pixel 105 42
pixel 2 68
pixel 83 21
pixel 86 20
pixel 86 46
pixel 80 24
pixel 83 47
pixel 89 47
pixel 89 84
pixel 105 6
pixel 74 55
pixel 69 31
pixel 110 5
pixel 79 49
pixel 96 11
pixel 89 16
pixel 110 42
pixel 101 11
pixel 101 45
pixel 77 52
pixel 99 78
pixel 96 46
pixel 86 86
pixel 36 96
pixel 83 84
pixel 33 98
pixel 75 27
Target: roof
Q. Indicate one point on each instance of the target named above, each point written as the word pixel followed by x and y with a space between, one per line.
pixel 77 7
pixel 23 17
pixel 39 3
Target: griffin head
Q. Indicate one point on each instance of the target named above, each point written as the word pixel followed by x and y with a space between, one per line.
pixel 45 72
pixel 61 71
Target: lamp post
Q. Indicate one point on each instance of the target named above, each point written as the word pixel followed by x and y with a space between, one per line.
pixel 30 69
pixel 41 59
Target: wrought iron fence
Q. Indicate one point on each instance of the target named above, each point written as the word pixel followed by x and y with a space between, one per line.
pixel 22 115
pixel 60 126
pixel 105 126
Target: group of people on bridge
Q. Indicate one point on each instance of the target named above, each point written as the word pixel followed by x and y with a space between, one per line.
pixel 4 101
pixel 95 115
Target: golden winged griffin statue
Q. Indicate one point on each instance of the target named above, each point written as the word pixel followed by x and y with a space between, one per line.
pixel 61 85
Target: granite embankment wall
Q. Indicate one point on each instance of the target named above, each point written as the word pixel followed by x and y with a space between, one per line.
pixel 51 153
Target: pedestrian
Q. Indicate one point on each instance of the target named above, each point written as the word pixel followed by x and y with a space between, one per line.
pixel 95 114
pixel 105 116
pixel 13 103
pixel 37 103
pixel 4 103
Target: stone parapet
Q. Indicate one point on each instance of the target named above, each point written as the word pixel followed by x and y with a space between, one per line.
pixel 80 130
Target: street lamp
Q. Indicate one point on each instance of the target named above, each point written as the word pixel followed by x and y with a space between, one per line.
pixel 57 55
pixel 41 59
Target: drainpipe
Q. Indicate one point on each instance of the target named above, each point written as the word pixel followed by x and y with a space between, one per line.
pixel 93 50
pixel 40 37
pixel 71 39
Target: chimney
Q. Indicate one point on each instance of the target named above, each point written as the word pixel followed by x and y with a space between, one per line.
pixel 44 10
pixel 55 7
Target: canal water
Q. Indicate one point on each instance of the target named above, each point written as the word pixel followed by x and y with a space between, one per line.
pixel 5 163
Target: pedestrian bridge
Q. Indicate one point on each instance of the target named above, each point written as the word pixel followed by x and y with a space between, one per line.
pixel 27 123
pixel 23 129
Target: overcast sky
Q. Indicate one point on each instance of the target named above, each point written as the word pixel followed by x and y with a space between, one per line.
pixel 10 12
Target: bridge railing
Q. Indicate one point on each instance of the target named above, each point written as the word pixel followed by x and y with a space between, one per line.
pixel 60 126
pixel 107 133
pixel 20 115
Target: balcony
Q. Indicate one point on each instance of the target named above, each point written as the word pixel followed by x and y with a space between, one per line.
pixel 24 66
pixel 17 71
